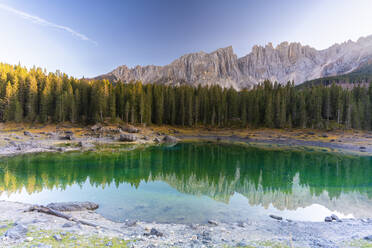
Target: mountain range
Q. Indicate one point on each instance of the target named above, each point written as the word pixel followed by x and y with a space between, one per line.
pixel 283 63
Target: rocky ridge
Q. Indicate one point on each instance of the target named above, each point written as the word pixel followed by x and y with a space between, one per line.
pixel 283 63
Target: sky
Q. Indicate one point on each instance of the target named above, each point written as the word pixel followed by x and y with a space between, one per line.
pixel 91 37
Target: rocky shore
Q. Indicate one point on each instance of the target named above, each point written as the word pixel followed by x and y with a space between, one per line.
pixel 22 228
pixel 22 139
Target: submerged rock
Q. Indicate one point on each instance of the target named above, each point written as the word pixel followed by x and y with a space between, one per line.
pixel 73 206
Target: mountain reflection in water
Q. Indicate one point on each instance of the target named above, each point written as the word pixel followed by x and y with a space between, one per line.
pixel 283 180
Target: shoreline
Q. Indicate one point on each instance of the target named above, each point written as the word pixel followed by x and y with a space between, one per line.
pixel 20 139
pixel 45 230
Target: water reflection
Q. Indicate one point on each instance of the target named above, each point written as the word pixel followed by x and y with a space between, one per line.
pixel 236 176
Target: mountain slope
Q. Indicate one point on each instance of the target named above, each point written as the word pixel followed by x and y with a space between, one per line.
pixel 285 62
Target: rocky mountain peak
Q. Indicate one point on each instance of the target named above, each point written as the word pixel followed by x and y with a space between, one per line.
pixel 286 62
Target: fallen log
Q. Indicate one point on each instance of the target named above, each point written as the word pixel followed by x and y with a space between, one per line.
pixel 46 210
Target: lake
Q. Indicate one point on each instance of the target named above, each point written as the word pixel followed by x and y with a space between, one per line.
pixel 195 182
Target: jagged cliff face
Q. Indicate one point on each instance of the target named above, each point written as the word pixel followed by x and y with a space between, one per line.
pixel 286 62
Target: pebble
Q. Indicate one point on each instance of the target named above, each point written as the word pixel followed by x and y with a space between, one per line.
pixel 57 237
pixel 368 238
pixel 67 224
pixel 328 219
pixel 275 217
pixel 213 222
pixel 29 239
pixel 241 224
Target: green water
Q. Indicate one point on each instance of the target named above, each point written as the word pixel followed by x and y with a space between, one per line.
pixel 194 182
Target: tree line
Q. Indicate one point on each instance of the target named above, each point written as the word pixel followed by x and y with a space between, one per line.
pixel 36 96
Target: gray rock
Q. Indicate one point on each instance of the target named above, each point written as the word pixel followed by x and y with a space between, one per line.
pixel 130 223
pixel 328 219
pixel 157 140
pixel 283 63
pixel 109 243
pixel 276 217
pixel 67 225
pixel 66 137
pixel 213 222
pixel 154 232
pixel 96 128
pixel 127 137
pixel 368 238
pixel 129 129
pixel 241 224
pixel 73 206
pixel 16 232
pixel 335 217
pixel 170 139
pixel 241 244
pixel 57 237
pixel 27 133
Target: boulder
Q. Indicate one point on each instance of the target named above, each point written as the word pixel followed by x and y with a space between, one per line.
pixel 16 232
pixel 129 129
pixel 73 206
pixel 127 137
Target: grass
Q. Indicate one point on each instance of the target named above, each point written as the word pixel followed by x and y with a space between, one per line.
pixel 70 239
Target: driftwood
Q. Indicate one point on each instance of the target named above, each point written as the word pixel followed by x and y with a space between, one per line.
pixel 46 210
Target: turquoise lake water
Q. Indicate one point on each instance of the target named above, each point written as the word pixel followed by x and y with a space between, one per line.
pixel 195 182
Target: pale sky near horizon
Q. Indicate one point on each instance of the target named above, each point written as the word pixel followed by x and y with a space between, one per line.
pixel 88 38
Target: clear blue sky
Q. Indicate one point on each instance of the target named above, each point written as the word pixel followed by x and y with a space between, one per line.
pixel 91 37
